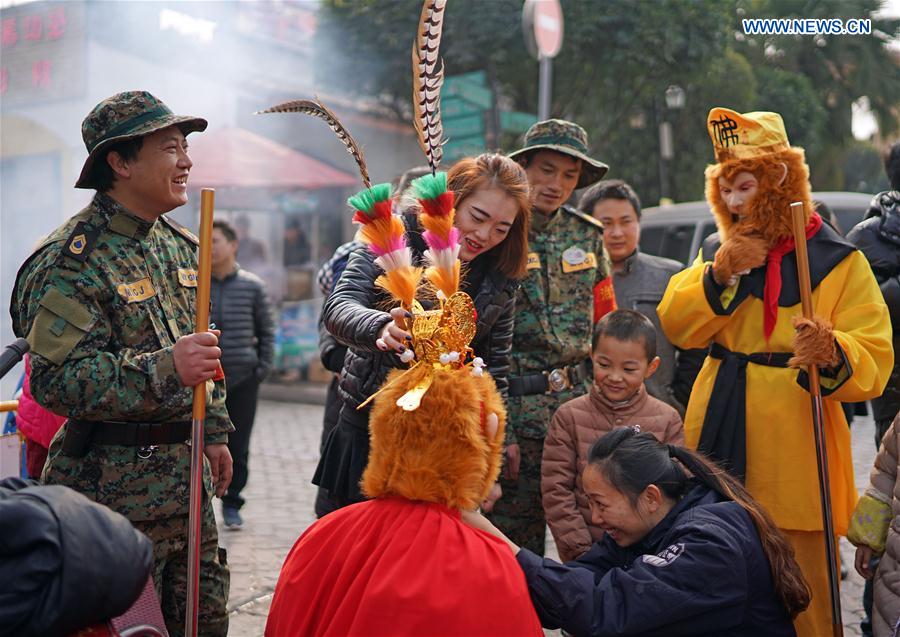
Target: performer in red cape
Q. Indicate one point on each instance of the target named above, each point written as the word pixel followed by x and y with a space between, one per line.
pixel 403 563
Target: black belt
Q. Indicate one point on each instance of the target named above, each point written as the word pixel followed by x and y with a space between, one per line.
pixel 137 434
pixel 724 433
pixel 550 381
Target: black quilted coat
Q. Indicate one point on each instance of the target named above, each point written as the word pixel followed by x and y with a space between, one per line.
pixel 878 237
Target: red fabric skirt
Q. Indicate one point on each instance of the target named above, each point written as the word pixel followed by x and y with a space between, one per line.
pixel 394 567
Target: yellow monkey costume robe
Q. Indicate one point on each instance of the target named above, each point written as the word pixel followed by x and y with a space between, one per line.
pixel 781 469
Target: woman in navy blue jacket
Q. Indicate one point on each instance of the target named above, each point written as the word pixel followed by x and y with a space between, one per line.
pixel 686 551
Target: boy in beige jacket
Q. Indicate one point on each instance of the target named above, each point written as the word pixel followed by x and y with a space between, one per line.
pixel 624 356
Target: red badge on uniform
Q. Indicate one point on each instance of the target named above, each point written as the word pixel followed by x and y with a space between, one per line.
pixel 604 298
pixel 220 373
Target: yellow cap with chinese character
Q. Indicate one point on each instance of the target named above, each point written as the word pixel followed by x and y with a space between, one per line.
pixel 745 136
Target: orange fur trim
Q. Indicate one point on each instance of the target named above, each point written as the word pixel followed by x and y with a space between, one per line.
pixel 401 284
pixel 814 343
pixel 769 213
pixel 738 253
pixel 439 452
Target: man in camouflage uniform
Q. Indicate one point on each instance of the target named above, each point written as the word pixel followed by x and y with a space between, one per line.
pixel 568 288
pixel 107 302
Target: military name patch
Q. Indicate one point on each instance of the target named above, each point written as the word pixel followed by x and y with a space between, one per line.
pixel 187 278
pixel 81 242
pixel 533 262
pixel 137 291
pixel 576 259
pixel 665 557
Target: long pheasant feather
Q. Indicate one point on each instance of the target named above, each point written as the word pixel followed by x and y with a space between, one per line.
pixel 427 82
pixel 317 109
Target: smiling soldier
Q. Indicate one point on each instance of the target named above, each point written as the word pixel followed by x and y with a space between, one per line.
pixel 107 303
pixel 567 289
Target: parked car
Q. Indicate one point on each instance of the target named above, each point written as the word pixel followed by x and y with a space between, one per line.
pixel 677 231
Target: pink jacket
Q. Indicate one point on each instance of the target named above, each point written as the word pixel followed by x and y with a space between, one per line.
pixel 576 426
pixel 35 422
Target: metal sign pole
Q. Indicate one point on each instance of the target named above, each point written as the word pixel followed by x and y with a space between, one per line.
pixel 545 87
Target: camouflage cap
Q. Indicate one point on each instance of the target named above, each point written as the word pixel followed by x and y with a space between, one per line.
pixel 126 116
pixel 567 138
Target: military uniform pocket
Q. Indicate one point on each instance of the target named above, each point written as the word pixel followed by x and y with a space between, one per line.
pixel 61 322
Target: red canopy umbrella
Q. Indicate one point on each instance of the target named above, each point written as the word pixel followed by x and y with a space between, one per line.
pixel 237 158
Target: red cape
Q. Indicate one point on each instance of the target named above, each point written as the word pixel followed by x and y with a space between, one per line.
pixel 394 567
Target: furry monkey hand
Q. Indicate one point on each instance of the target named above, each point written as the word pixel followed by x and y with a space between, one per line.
pixel 814 343
pixel 737 254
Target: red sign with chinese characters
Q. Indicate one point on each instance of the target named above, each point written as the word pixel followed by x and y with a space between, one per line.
pixel 43 52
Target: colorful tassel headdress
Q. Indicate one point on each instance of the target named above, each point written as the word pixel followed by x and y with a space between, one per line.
pixel 440 336
pixel 385 235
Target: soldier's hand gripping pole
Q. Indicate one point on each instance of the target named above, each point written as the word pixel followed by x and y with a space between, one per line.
pixel 815 392
pixel 207 202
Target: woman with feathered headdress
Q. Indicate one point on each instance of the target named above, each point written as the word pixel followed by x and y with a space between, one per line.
pixel 489 235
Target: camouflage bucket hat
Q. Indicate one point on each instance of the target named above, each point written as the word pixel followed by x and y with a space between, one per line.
pixel 567 138
pixel 126 116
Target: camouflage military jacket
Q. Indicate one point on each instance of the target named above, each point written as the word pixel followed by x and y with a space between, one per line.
pixel 555 310
pixel 102 302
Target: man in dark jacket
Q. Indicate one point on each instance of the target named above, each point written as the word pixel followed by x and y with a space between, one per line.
pixel 241 310
pixel 878 237
pixel 639 279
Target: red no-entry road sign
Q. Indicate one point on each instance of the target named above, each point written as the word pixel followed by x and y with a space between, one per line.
pixel 542 22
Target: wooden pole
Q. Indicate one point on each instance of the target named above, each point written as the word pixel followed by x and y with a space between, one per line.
pixel 798 219
pixel 207 204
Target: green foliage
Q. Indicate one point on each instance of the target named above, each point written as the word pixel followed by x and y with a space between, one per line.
pixel 793 96
pixel 618 58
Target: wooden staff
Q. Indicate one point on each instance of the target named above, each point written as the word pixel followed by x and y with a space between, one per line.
pixel 207 203
pixel 815 393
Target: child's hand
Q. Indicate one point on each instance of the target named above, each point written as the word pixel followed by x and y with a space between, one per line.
pixel 863 561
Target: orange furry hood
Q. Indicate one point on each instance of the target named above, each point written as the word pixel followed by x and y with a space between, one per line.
pixel 769 213
pixel 439 452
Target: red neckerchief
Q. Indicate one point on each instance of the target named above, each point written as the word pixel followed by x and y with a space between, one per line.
pixel 773 274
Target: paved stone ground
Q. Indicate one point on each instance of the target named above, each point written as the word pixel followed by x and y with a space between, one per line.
pixel 284 452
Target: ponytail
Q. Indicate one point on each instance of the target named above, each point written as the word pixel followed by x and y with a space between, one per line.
pixel 631 461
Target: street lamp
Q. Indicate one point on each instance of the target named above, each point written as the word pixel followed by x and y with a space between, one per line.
pixel 674 97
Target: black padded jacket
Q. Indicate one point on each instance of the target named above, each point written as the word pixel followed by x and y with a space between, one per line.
pixel 65 562
pixel 878 237
pixel 352 316
pixel 241 309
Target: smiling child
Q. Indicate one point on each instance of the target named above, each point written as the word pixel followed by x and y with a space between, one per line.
pixel 624 356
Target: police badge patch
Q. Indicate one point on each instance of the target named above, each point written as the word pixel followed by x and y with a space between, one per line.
pixel 665 557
